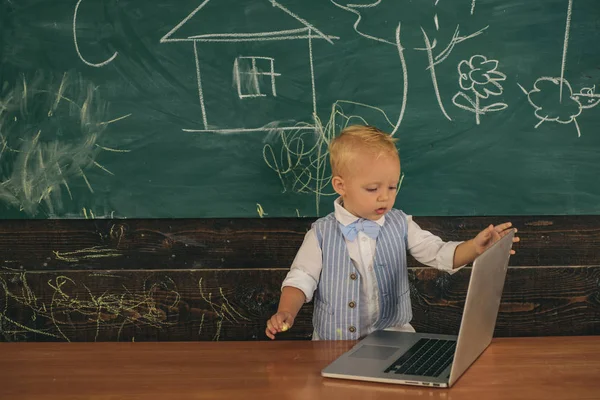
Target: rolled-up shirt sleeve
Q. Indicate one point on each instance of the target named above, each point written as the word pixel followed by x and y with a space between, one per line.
pixel 430 249
pixel 306 269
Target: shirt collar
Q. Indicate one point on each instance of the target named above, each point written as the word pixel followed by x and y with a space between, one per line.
pixel 345 217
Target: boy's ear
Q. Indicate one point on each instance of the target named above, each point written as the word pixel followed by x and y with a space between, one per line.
pixel 338 185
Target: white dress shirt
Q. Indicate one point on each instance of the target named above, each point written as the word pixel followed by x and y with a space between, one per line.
pixel 424 246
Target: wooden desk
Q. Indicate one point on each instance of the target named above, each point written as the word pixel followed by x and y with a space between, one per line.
pixel 517 368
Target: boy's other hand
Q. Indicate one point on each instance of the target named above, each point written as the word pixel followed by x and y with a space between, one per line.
pixel 491 235
pixel 280 322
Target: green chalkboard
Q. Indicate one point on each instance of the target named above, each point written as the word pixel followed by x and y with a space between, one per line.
pixel 223 108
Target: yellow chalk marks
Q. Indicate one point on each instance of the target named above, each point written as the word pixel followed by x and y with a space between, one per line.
pixel 115 120
pixel 87 253
pixel 118 233
pixel 261 212
pixel 103 168
pixel 70 300
pixel 59 95
pixel 223 311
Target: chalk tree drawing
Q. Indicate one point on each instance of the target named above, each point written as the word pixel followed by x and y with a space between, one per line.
pixel 440 57
pixel 49 136
pixel 97 65
pixel 547 95
pixel 479 76
pixel 300 158
pixel 433 60
pixel 397 44
pixel 306 31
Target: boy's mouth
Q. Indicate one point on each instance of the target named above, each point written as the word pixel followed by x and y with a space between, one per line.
pixel 381 210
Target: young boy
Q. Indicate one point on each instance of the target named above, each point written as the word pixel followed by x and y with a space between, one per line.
pixel 354 259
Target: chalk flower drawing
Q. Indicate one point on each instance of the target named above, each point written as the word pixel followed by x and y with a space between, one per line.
pixel 49 133
pixel 479 76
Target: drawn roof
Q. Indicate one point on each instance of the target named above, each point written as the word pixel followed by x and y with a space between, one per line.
pixel 220 19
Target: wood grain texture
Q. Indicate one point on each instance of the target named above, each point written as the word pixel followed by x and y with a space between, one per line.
pixel 511 368
pixel 180 305
pixel 42 245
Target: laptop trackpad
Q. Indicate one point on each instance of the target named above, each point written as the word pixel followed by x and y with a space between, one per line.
pixel 374 352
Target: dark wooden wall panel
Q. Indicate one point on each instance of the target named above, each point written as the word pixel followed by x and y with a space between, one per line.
pixel 254 243
pixel 219 279
pixel 159 305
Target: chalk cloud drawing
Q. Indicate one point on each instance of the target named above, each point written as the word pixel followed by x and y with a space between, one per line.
pixel 479 76
pixel 548 97
pixel 545 98
pixel 49 137
pixel 246 71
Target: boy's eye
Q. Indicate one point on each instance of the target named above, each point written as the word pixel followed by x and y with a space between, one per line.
pixel 371 189
pixel 393 188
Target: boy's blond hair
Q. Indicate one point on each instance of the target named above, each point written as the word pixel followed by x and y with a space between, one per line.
pixel 358 139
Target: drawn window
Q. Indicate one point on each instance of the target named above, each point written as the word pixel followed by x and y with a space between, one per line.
pixel 254 76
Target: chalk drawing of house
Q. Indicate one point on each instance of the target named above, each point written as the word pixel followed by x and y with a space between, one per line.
pixel 253 66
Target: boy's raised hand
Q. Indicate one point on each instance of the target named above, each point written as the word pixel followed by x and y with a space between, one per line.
pixel 280 322
pixel 491 235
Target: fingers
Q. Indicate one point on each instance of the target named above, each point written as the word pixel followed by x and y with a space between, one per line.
pixel 503 227
pixel 278 323
pixel 496 235
pixel 270 331
pixel 269 334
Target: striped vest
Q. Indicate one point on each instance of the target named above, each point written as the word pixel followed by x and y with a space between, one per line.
pixel 336 301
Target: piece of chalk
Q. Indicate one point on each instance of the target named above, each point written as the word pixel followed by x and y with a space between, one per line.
pixel 285 327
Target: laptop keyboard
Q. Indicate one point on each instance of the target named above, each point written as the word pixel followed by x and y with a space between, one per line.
pixel 427 357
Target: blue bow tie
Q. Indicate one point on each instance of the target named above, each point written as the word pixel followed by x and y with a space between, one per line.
pixel 370 228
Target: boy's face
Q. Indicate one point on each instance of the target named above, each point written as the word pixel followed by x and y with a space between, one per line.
pixel 370 185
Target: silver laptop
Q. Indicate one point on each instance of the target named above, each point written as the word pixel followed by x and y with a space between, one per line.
pixel 430 359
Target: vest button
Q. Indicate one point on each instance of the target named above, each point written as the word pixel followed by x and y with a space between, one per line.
pixel 352 304
pixel 352 329
pixel 353 276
